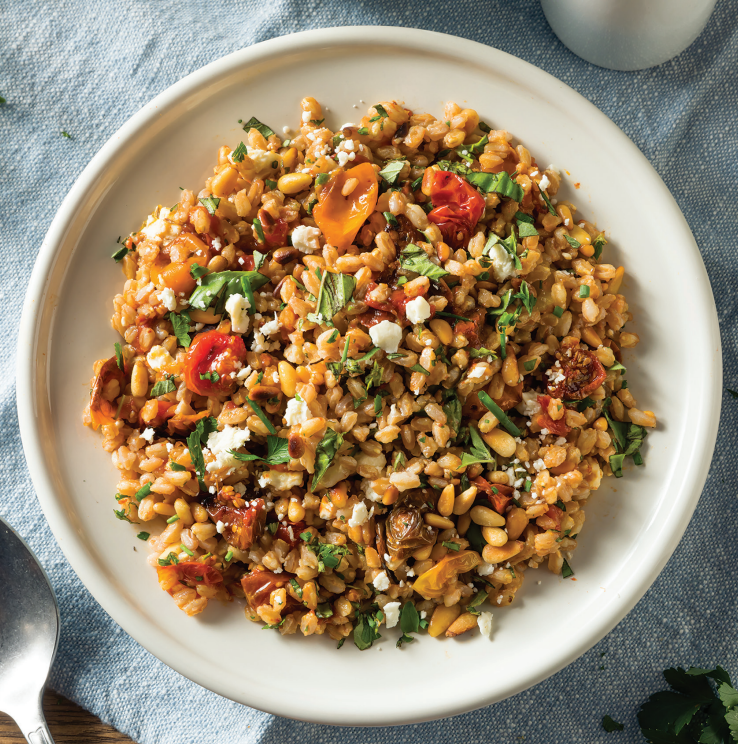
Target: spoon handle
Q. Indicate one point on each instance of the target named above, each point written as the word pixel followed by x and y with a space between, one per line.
pixel 33 726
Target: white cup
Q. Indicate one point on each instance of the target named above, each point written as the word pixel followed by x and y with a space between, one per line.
pixel 627 34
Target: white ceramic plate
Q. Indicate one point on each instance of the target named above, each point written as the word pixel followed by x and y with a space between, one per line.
pixel 633 524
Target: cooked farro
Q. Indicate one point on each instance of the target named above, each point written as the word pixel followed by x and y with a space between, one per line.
pixel 367 377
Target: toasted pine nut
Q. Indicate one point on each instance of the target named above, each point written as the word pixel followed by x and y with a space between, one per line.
pixel 139 379
pixel 442 618
pixel 486 517
pixel 294 183
pixel 516 522
pixel 493 554
pixel 445 505
pixel 464 501
pixel 464 622
pixel 494 536
pixel 436 520
pixel 501 442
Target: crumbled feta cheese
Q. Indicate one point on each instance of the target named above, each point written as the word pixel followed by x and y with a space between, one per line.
pixel 544 183
pixel 560 441
pixel 148 434
pixel 555 169
pixel 220 442
pixel 159 358
pixel 168 299
pixel 423 613
pixel 155 230
pixel 170 446
pixel 386 335
pixel 306 239
pixel 369 492
pixel 343 157
pixel 381 582
pixel 359 516
pixel 237 306
pixel 240 488
pixel 476 372
pixel 220 527
pixel 485 569
pixel 265 163
pixel 392 613
pixel 271 327
pixel 410 573
pixel 244 373
pixel 216 244
pixel 484 621
pixel 539 465
pixel 348 144
pixel 502 266
pixel 297 412
pixel 529 405
pixel 418 310
pixel 280 481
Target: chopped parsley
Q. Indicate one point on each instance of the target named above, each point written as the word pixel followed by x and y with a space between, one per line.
pixel 549 206
pixel 210 376
pixel 259 230
pixel 478 451
pixel 143 536
pixel 481 353
pixel 329 555
pixel 451 545
pixel 566 571
pixel 238 154
pixel 391 219
pixel 598 245
pixel 162 387
pixel 366 627
pixel 277 452
pixel 256 408
pixel 573 243
pixel 170 560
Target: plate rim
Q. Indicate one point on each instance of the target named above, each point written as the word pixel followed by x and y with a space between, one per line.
pixel 415 40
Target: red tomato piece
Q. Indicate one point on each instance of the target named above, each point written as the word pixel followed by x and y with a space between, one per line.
pixel 499 496
pixel 242 525
pixel 458 207
pixel 191 573
pixel 103 411
pixel 164 410
pixel 211 358
pixel 275 231
pixel 582 372
pixel 290 532
pixel 471 328
pixel 258 586
pixel 555 514
pixel 543 420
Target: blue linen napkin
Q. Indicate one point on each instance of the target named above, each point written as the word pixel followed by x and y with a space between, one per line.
pixel 84 69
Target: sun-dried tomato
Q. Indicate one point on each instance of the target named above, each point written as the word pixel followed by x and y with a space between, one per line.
pixel 582 374
pixel 558 427
pixel 241 525
pixel 258 586
pixel 499 496
pixel 290 532
pixel 191 573
pixel 103 411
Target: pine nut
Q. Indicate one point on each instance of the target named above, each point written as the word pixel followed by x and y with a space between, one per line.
pixel 464 501
pixel 442 618
pixel 445 505
pixel 436 520
pixel 485 517
pixel 494 536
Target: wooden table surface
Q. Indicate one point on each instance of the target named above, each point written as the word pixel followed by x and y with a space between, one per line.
pixel 68 723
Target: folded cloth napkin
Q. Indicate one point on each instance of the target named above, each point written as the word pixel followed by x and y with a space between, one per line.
pixel 84 69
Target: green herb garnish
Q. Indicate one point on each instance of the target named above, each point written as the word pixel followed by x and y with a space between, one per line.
pixel 499 414
pixel 414 258
pixel 254 123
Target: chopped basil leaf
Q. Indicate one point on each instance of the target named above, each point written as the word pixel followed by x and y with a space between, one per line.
pixel 336 291
pixel 451 545
pixel 238 154
pixel 197 271
pixel 499 183
pixel 377 405
pixel 443 314
pixel 259 259
pixel 510 244
pixel 499 414
pixel 119 355
pixel 530 365
pixel 584 404
pixel 374 378
pixel 321 178
pixel 366 629
pixel 573 243
pixel 143 536
pixel 452 409
pixel 256 408
pixel 484 127
pixel 615 367
pixel 324 610
pixel 120 254
pixel 566 571
pixel 210 203
pixel 163 387
pixel 391 219
pixel 478 451
pixel 558 311
pixel 327 449
pixel 598 245
pixel 409 619
pixel 317 122
pixel 418 368
pixel 259 230
pixel 271 185
pixel 526 230
pixel 481 353
pixel 210 376
pixel 545 198
pixel 523 217
pixel 363 130
pixel 254 123
pixel 391 171
pixel 181 325
pixel 414 258
pixel 217 287
pixel 294 584
pixel 176 466
pixel 398 461
pixel 277 452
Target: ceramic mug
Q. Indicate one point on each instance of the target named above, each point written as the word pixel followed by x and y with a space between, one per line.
pixel 627 34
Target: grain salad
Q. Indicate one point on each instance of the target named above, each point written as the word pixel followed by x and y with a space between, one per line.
pixel 366 377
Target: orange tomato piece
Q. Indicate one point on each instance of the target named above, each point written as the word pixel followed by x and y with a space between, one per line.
pixel 438 580
pixel 340 217
pixel 177 276
pixel 103 411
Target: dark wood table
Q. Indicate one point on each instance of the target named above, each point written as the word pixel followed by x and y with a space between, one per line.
pixel 68 723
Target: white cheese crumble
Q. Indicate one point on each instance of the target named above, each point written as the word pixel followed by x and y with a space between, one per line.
pixel 280 481
pixel 484 621
pixel 297 412
pixel 237 306
pixel 265 163
pixel 386 335
pixel 219 442
pixel 216 244
pixel 485 569
pixel 220 527
pixel 168 299
pixel 271 327
pixel 555 169
pixel 544 183
pixel 503 266
pixel 381 582
pixel 529 406
pixel 306 239
pixel 359 516
pixel 539 465
pixel 418 310
pixel 158 358
pixel 240 488
pixel 148 434
pixel 369 492
pixel 477 372
pixel 392 613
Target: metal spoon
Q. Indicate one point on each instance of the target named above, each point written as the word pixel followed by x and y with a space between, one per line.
pixel 29 631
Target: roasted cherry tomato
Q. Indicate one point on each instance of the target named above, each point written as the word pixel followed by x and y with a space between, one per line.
pixel 395 304
pixel 472 327
pixel 438 580
pixel 458 206
pixel 241 526
pixel 103 411
pixel 211 358
pixel 340 217
pixel 555 515
pixel 258 586
pixel 499 496
pixel 582 373
pixel 275 231
pixel 558 427
pixel 191 573
pixel 155 413
pixel 290 532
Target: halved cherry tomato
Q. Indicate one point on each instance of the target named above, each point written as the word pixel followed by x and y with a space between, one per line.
pixel 438 580
pixel 555 515
pixel 156 412
pixel 472 327
pixel 191 573
pixel 103 411
pixel 499 496
pixel 582 371
pixel 290 532
pixel 458 205
pixel 210 360
pixel 177 276
pixel 395 304
pixel 258 586
pixel 340 217
pixel 183 423
pixel 543 420
pixel 275 231
pixel 241 525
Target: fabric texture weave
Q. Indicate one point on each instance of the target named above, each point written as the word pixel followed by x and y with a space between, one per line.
pixel 85 69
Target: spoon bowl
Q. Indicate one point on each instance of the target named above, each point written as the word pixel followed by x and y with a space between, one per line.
pixel 29 632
